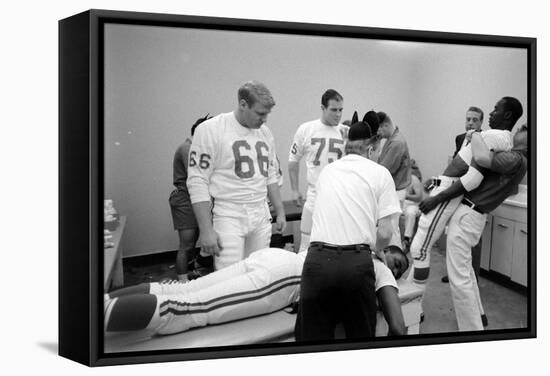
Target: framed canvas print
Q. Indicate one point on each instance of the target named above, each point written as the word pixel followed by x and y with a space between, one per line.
pixel 234 187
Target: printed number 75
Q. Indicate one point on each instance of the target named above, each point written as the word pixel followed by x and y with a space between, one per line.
pixel 332 142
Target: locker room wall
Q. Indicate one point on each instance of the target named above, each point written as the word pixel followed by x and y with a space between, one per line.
pixel 450 79
pixel 159 80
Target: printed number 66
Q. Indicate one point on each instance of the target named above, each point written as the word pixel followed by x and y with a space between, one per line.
pixel 204 161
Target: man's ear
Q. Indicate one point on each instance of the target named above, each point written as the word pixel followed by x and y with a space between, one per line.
pixel 243 104
pixel 507 115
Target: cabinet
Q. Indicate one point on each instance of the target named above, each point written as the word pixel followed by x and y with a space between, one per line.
pixel 504 244
pixel 519 257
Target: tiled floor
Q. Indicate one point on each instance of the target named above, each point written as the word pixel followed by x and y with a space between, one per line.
pixel 505 308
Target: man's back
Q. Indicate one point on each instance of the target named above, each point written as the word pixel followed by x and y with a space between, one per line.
pixel 353 193
pixel 395 157
pixel 502 180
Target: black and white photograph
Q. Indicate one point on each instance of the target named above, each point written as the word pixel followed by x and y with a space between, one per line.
pixel 290 184
pixel 311 190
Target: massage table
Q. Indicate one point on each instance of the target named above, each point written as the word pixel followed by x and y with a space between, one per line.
pixel 270 328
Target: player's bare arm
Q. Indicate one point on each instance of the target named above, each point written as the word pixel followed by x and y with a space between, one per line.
pixel 209 239
pixel 274 195
pixel 383 236
pixel 294 173
pixel 391 308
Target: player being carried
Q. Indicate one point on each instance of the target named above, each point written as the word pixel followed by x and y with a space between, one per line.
pixel 433 221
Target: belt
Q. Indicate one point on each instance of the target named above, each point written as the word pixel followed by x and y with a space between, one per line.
pixel 471 205
pixel 341 248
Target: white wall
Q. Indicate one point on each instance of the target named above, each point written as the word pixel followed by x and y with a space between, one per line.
pixel 449 79
pixel 158 80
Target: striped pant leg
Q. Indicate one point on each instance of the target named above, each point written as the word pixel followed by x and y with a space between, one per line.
pixel 267 284
pixel 430 227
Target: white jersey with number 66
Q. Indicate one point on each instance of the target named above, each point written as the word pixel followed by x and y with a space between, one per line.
pixel 228 161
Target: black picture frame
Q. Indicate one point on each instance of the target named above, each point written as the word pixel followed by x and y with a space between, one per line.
pixel 81 190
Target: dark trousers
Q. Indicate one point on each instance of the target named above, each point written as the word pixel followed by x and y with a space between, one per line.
pixel 337 287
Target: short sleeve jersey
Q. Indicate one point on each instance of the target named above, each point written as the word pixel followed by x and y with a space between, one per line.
pixel 228 161
pixel 320 145
pixel 495 139
pixel 353 193
pixel 384 276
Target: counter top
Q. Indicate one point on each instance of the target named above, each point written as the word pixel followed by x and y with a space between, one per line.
pixel 519 199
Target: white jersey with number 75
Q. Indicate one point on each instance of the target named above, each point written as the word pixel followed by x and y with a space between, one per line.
pixel 320 144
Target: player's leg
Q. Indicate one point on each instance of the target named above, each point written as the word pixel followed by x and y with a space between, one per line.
pixel 265 282
pixel 187 227
pixel 232 232
pixel 130 312
pixel 270 281
pixel 430 228
pixel 465 228
pixel 188 239
pixel 306 223
pixel 259 224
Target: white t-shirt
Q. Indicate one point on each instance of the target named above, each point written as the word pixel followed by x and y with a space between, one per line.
pixel 320 144
pixel 353 193
pixel 384 276
pixel 230 162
